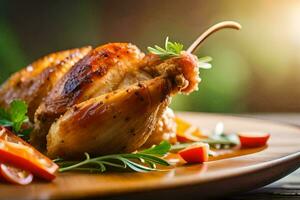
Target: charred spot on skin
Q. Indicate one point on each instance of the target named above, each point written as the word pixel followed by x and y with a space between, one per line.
pixel 165 91
pixel 105 54
pixel 98 72
pixel 87 79
pixel 127 119
pixel 42 118
pixel 114 116
pixel 18 84
pixel 75 108
pixel 73 84
pixel 132 130
pixel 116 48
pixel 140 97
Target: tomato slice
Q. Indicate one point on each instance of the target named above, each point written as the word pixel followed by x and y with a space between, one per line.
pixel 253 139
pixel 197 153
pixel 15 175
pixel 16 152
pixel 186 132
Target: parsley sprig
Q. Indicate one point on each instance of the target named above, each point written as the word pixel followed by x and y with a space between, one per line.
pixel 14 116
pixel 174 49
pixel 142 161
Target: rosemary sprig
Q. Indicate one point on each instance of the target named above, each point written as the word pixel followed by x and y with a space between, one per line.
pixel 174 49
pixel 142 161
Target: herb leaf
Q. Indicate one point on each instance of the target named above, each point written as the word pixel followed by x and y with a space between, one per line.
pixel 143 161
pixel 174 49
pixel 15 116
pixel 204 62
pixel 159 150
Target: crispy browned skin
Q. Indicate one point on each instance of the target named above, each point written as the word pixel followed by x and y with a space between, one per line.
pixel 108 100
pixel 123 120
pixel 100 72
pixel 34 82
pixel 116 122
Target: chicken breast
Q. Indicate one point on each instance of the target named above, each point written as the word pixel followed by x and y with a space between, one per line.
pixel 34 82
pixel 123 120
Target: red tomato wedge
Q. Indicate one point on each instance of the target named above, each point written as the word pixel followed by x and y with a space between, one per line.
pixel 197 153
pixel 15 175
pixel 253 139
pixel 16 152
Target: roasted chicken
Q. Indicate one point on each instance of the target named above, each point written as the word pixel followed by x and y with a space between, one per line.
pixel 110 99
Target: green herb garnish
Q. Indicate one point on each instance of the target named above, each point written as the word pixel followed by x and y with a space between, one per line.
pixel 142 161
pixel 174 49
pixel 14 116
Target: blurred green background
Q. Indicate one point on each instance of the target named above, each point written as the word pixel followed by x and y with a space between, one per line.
pixel 256 69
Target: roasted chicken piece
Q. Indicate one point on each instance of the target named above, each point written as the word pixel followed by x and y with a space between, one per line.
pixel 112 99
pixel 122 120
pixel 99 72
pixel 116 80
pixel 34 82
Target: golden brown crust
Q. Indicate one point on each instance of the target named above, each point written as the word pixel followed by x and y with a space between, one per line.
pixel 34 82
pixel 80 83
pixel 100 72
pixel 120 121
pixel 110 101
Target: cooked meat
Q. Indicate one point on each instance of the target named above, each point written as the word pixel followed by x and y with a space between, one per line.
pixel 116 122
pixel 164 130
pixel 107 100
pixel 34 82
pixel 123 120
pixel 99 72
pixel 112 99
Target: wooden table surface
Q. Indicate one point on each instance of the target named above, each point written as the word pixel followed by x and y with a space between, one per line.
pixel 286 188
